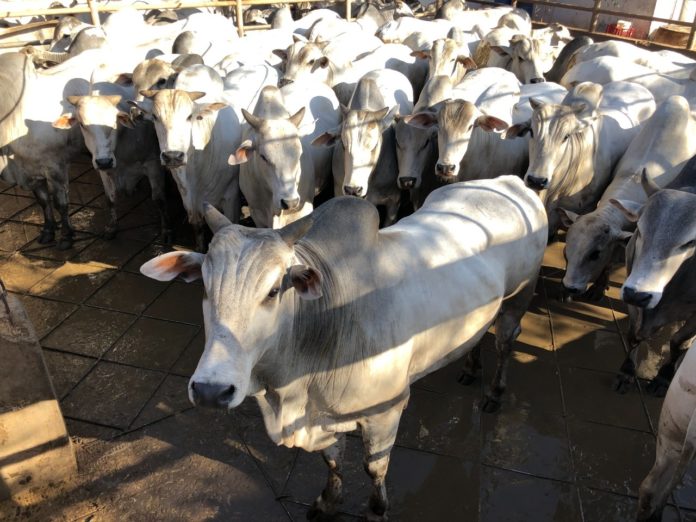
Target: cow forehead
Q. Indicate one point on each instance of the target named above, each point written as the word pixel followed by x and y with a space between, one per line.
pixel 552 115
pixel 171 101
pixel 666 216
pixel 457 113
pixel 96 110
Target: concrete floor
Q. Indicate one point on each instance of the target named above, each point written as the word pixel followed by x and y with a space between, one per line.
pixel 120 348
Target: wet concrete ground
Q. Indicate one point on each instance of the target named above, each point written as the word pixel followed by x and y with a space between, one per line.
pixel 120 348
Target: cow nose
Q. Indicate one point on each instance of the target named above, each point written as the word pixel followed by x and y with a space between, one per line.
pixel 212 395
pixel 536 183
pixel 537 80
pixel 284 81
pixel 104 163
pixel 573 290
pixel 172 158
pixel 407 183
pixel 631 296
pixel 443 169
pixel 352 191
pixel 290 204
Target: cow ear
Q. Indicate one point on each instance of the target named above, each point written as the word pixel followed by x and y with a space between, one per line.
pixel 423 55
pixel 326 139
pixel 113 99
pixel 501 50
pixel 567 217
pixel 124 79
pixel 166 267
pixel 467 62
pixel 299 38
pixel 148 93
pixel 138 110
pixel 195 95
pixel 280 53
pixel 66 121
pixel 296 119
pixel 125 119
pixel 518 130
pixel 422 120
pixel 208 109
pixel 241 155
pixel 306 281
pixel 491 123
pixel 630 209
pixel 388 117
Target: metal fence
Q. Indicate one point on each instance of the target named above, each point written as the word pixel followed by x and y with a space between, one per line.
pixel 94 7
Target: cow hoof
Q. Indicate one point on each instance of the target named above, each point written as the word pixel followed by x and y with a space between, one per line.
pixel 109 234
pixel 46 236
pixel 65 243
pixel 658 386
pixel 490 405
pixel 466 379
pixel 622 384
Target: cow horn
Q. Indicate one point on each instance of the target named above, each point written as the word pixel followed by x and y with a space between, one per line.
pixel 215 219
pixel 649 186
pixel 294 231
pixel 252 120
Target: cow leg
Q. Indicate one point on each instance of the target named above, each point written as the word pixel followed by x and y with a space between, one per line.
pixel 664 475
pixel 627 373
pixel 110 190
pixel 326 503
pixel 157 179
pixel 472 364
pixel 40 190
pixel 379 434
pixel 658 386
pixel 58 187
pixel 507 329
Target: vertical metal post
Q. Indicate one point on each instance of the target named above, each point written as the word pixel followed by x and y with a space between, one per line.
pixel 240 18
pixel 595 15
pixel 94 12
pixel 348 10
pixel 692 35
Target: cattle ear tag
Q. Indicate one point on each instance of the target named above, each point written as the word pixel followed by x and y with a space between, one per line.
pixel 306 281
pixel 66 121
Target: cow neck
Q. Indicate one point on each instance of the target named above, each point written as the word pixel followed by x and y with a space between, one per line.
pixel 571 165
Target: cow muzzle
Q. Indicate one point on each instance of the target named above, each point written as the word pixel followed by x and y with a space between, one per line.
pixel 349 190
pixel 445 171
pixel 407 183
pixel 636 298
pixel 289 204
pixel 173 158
pixel 536 183
pixel 537 80
pixel 104 163
pixel 212 395
pixel 284 81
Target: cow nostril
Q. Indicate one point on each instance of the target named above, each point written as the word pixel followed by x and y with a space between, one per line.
pixel 289 204
pixel 227 395
pixel 445 169
pixel 640 299
pixel 536 183
pixel 104 163
pixel 538 80
pixel 352 191
pixel 407 183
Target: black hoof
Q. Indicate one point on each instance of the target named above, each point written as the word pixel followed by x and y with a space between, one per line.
pixel 109 234
pixel 466 379
pixel 658 386
pixel 46 236
pixel 490 405
pixel 622 383
pixel 65 243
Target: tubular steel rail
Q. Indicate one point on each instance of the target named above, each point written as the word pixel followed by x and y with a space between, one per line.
pixel 94 7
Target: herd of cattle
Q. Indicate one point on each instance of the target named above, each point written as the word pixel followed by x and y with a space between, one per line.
pixel 492 135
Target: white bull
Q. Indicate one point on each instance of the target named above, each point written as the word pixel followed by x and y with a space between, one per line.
pixel 352 311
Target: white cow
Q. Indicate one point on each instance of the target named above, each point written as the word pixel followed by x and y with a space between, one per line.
pixel 574 146
pixel 352 310
pixel 676 441
pixel 665 143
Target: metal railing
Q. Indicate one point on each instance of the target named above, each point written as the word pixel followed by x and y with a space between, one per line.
pixel 94 8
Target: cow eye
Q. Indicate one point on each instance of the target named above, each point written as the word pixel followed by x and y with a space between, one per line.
pixel 161 82
pixel 263 158
pixel 470 127
pixel 273 293
pixel 688 244
pixel 154 117
pixel 311 62
pixel 565 138
pixel 594 255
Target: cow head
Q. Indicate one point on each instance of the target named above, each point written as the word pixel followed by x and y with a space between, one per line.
pixel 275 148
pixel 250 276
pixel 151 75
pixel 664 239
pixel 414 146
pixel 559 134
pixel 304 60
pixel 527 57
pixel 99 118
pixel 455 122
pixel 181 124
pixel 590 243
pixel 447 57
pixel 361 138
